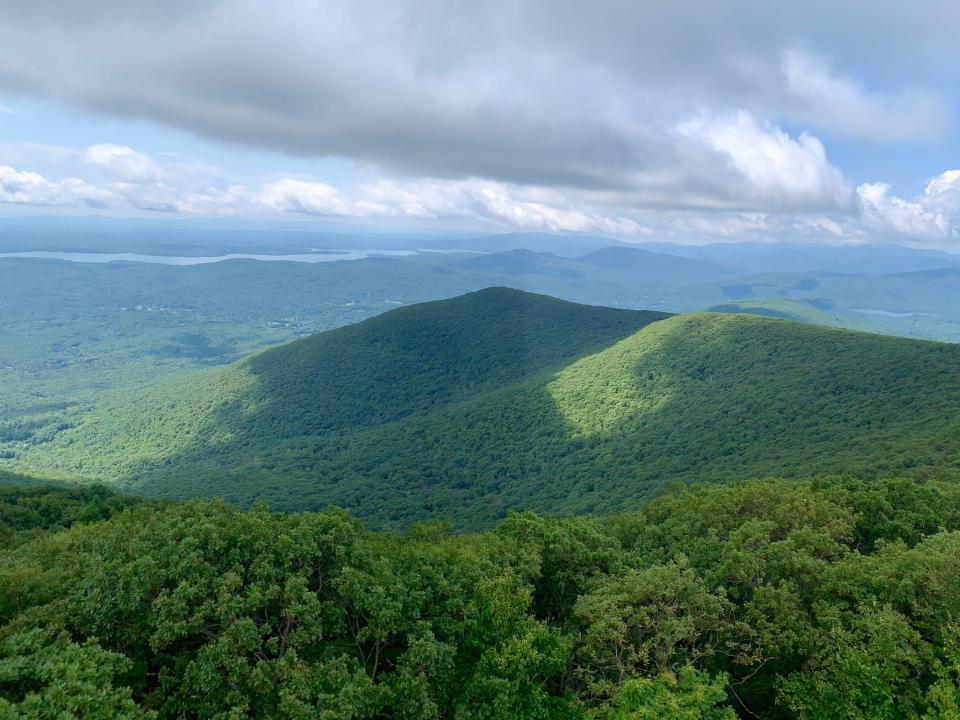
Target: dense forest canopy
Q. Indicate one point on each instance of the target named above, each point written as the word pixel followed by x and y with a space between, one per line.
pixel 498 400
pixel 500 360
pixel 644 590
pixel 72 331
pixel 825 599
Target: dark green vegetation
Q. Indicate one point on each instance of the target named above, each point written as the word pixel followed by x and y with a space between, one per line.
pixel 71 332
pixel 500 400
pixel 816 600
pixel 28 512
pixel 831 597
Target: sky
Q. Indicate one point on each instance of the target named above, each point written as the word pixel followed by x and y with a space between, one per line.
pixel 640 119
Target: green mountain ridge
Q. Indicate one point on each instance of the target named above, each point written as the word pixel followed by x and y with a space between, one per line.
pixel 502 400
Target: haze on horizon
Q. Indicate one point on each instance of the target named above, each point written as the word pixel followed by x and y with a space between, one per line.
pixel 804 121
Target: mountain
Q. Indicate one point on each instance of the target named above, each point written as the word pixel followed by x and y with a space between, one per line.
pixel 811 311
pixel 751 257
pixel 923 304
pixel 627 266
pixel 500 399
pixel 653 267
pixel 402 363
pixel 513 263
pixel 939 273
pixel 563 244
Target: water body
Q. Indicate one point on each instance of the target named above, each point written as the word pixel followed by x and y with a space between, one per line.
pixel 888 313
pixel 312 257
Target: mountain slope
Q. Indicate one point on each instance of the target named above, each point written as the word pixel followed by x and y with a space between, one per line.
pixel 398 364
pixel 809 311
pixel 513 424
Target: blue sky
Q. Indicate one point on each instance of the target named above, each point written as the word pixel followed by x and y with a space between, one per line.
pixel 645 120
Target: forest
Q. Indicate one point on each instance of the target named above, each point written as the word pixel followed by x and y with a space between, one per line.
pixel 824 599
pixel 501 400
pixel 72 331
pixel 501 360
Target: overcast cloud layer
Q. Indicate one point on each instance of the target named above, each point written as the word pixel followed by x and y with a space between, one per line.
pixel 633 118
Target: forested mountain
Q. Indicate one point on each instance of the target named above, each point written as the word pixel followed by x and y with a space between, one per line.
pixel 500 399
pixel 71 332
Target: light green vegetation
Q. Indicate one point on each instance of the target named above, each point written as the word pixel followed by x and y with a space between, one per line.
pixel 783 308
pixel 815 601
pixel 467 408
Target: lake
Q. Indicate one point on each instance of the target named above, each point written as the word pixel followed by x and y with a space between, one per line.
pixel 312 257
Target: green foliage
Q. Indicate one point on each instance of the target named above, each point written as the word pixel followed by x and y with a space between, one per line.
pixel 647 621
pixel 26 510
pixel 772 599
pixel 500 400
pixel 943 697
pixel 52 677
pixel 513 657
pixel 860 667
pixel 687 695
pixel 70 332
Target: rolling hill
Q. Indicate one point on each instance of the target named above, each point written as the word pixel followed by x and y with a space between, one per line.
pixel 500 399
pixel 653 267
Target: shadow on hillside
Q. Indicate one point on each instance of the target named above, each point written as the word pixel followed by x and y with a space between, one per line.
pixel 310 398
pixel 695 398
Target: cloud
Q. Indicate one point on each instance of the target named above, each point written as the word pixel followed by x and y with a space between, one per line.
pixel 479 200
pixel 726 227
pixel 933 216
pixel 31 188
pixel 545 93
pixel 123 163
pixel 765 167
pixel 821 226
pixel 299 196
pixel 744 160
pixel 122 177
pixel 942 194
pixel 831 101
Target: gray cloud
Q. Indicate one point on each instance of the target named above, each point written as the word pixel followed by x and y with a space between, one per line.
pixel 549 92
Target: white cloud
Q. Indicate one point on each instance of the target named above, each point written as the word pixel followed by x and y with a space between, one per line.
pixel 942 194
pixel 727 227
pixel 762 166
pixel 31 188
pixel 930 217
pixel 832 101
pixel 123 163
pixel 825 226
pixel 738 154
pixel 481 200
pixel 299 196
